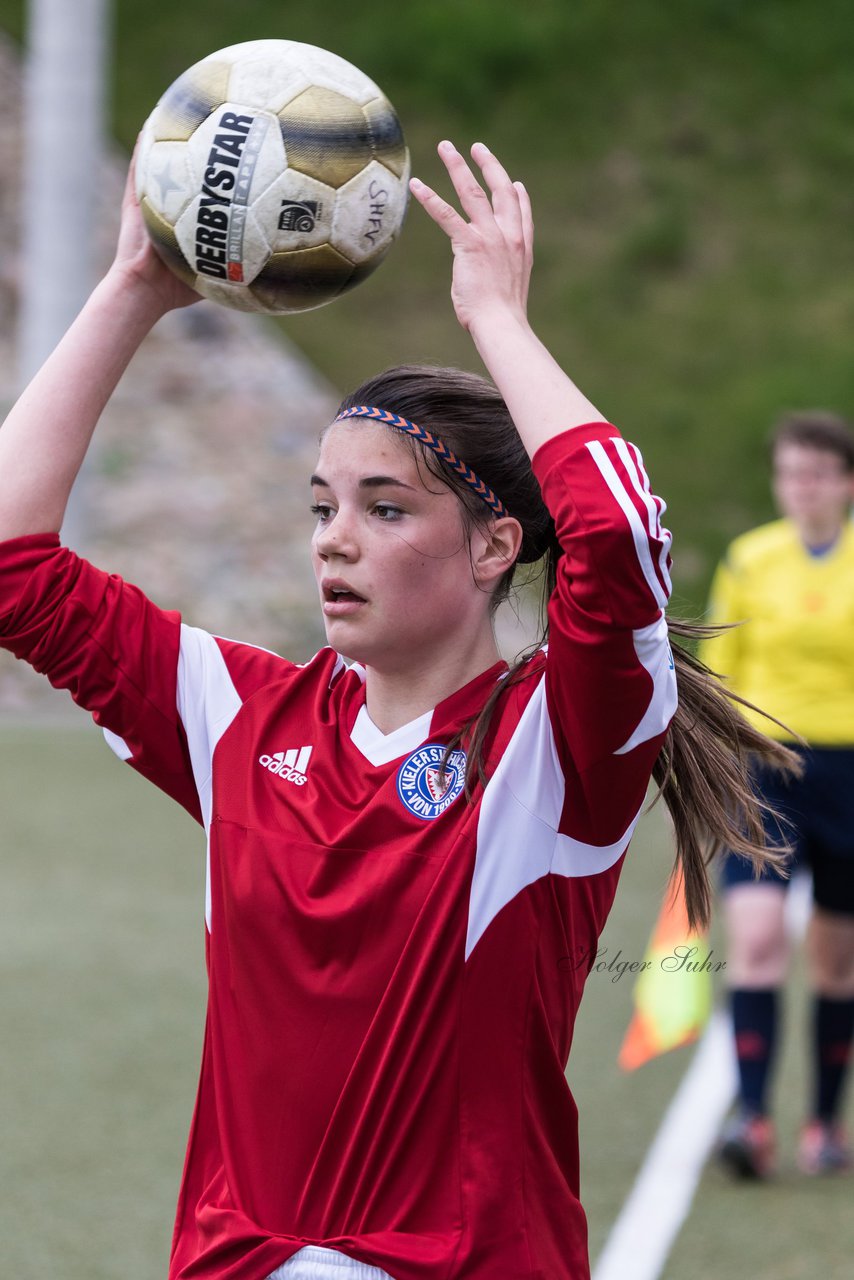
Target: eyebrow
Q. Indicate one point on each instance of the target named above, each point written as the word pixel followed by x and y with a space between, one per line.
pixel 368 482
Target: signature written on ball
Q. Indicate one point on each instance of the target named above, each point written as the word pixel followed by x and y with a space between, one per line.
pixel 378 196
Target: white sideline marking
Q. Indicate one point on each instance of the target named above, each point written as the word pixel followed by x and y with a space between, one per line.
pixel 660 1200
pixel 658 1203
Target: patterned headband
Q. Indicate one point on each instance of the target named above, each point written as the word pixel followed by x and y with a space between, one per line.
pixel 432 442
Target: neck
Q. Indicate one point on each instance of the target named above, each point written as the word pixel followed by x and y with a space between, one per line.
pixel 820 533
pixel 393 698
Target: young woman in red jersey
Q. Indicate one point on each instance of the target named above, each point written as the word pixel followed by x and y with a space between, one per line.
pixel 411 853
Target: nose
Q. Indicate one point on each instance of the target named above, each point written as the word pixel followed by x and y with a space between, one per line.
pixel 336 537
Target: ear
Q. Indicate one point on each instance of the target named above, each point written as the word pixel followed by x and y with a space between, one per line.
pixel 494 550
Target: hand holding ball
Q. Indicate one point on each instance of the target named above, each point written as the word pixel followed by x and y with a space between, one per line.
pixel 272 176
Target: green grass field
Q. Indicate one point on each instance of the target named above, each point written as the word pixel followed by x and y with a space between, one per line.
pixel 101 1009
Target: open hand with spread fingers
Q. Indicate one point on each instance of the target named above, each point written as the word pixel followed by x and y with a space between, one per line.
pixel 493 256
pixel 493 251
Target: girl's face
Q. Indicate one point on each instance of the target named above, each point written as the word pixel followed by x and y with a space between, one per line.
pixel 396 549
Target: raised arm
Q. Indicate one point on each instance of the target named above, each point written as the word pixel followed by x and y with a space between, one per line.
pixel 493 256
pixel 45 437
pixel 609 676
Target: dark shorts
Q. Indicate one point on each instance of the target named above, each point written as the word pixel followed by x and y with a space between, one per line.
pixel 820 808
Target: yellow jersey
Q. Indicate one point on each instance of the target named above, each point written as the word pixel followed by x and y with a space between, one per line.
pixel 794 654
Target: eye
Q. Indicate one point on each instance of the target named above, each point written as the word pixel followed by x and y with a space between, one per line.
pixel 386 513
pixel 321 510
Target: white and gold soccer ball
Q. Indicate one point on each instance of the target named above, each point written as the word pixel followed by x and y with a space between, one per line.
pixel 273 176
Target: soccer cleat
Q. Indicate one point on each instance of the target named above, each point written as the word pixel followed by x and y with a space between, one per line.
pixel 823 1148
pixel 748 1146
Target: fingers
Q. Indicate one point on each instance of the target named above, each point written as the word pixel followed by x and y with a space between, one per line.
pixel 527 219
pixel 505 197
pixel 443 214
pixel 472 196
pixel 130 180
pixel 130 194
pixel 507 204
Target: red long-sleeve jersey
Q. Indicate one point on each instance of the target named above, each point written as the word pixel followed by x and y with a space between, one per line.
pixel 394 973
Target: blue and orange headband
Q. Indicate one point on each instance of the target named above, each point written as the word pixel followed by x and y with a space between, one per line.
pixel 432 442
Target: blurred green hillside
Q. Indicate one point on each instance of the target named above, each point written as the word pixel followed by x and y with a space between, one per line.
pixel 692 171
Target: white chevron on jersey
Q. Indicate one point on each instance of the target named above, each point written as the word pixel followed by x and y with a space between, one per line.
pixel 379 748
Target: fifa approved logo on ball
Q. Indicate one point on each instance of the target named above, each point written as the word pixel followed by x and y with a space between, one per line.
pixel 299 215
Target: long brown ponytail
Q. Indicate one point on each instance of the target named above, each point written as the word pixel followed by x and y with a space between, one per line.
pixel 703 769
pixel 703 773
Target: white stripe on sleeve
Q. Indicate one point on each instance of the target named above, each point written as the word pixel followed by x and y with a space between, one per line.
pixel 654 654
pixel 659 506
pixel 207 704
pixel 518 840
pixel 639 533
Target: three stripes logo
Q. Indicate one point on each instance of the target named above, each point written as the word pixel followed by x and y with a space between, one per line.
pixel 291 765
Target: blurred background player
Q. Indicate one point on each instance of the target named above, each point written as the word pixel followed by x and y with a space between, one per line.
pixel 792 583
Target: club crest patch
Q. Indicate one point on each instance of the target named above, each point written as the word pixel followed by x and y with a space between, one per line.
pixel 420 785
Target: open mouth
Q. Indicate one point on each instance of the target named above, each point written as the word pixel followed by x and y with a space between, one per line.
pixel 333 593
pixel 341 594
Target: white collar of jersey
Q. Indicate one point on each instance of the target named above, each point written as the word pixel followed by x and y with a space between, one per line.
pixel 378 747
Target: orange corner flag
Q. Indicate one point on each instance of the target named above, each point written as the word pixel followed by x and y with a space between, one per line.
pixel 673 992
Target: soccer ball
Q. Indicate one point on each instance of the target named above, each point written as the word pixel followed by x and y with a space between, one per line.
pixel 272 176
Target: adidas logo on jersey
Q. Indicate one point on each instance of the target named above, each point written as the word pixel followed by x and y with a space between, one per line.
pixel 291 765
